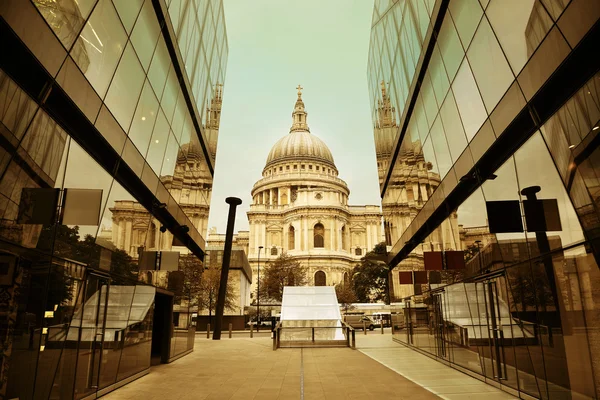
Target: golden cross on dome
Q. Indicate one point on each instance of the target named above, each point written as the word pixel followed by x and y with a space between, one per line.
pixel 299 89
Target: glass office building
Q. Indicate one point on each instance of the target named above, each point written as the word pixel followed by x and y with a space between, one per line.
pixel 486 122
pixel 109 116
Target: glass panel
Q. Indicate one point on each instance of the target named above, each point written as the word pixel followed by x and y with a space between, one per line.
pixel 468 100
pixel 453 129
pixel 128 11
pixel 519 26
pixel 158 143
pixel 144 119
pixel 489 66
pixel 65 17
pixel 450 47
pixel 90 319
pixel 161 61
pixel 466 15
pixel 125 88
pixel 103 40
pixel 440 146
pixel 145 34
pixel 16 107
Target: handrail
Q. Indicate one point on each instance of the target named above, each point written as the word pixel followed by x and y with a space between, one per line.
pixel 349 332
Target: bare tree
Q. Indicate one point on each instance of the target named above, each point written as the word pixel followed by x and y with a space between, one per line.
pixel 201 286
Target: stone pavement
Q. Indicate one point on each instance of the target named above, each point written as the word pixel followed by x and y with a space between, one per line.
pixel 244 368
pixel 436 377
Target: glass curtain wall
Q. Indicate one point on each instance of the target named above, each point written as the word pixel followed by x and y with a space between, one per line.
pixel 79 310
pixel 521 313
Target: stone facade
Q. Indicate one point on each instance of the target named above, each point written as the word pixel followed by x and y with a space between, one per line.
pixel 300 207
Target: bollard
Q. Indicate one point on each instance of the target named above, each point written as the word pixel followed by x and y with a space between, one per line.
pixel 208 331
pixel 251 331
pixel 382 327
pixel 313 334
pixel 230 329
pixel 365 327
pixel 353 339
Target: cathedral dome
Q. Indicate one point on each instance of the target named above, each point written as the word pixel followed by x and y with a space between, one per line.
pixel 190 151
pixel 299 144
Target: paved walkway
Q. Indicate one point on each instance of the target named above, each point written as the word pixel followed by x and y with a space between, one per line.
pixel 244 368
pixel 434 376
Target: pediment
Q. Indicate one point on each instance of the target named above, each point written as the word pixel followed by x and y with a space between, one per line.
pixel 274 227
pixel 357 228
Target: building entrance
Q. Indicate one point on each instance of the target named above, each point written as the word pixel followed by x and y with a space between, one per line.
pixel 162 327
pixel 91 335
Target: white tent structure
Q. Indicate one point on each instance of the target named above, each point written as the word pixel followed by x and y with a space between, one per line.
pixel 306 307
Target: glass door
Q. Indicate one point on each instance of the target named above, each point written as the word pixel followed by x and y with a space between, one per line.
pixel 439 324
pixel 500 332
pixel 408 322
pixel 91 320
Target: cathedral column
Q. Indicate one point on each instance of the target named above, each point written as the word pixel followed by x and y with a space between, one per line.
pixel 305 233
pixel 332 226
pixel 369 244
pixel 128 234
pixel 278 196
pixel 270 197
pixel 115 232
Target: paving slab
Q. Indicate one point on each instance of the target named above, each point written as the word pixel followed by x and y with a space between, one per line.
pixel 446 382
pixel 244 368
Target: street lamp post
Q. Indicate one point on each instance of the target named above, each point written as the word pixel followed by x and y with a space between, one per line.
pixel 258 292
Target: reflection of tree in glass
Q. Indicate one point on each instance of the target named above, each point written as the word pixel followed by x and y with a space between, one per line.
pixel 470 252
pixel 281 272
pixel 60 288
pixel 370 276
pixel 530 290
pixel 67 244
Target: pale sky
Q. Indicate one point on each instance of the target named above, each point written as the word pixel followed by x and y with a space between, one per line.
pixel 273 47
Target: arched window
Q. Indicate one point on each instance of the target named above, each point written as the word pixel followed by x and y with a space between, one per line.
pixel 344 237
pixel 284 199
pixel 319 235
pixel 273 251
pixel 320 278
pixel 291 238
pixel 358 251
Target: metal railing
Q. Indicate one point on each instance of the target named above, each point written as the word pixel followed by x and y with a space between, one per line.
pixel 348 341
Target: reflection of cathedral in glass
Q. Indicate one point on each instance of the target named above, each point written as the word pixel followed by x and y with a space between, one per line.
pixel 412 181
pixel 190 184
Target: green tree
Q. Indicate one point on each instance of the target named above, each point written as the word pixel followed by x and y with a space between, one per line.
pixel 281 272
pixel 370 276
pixel 345 296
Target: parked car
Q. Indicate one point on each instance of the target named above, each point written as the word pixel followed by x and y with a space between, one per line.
pixel 262 323
pixel 359 321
